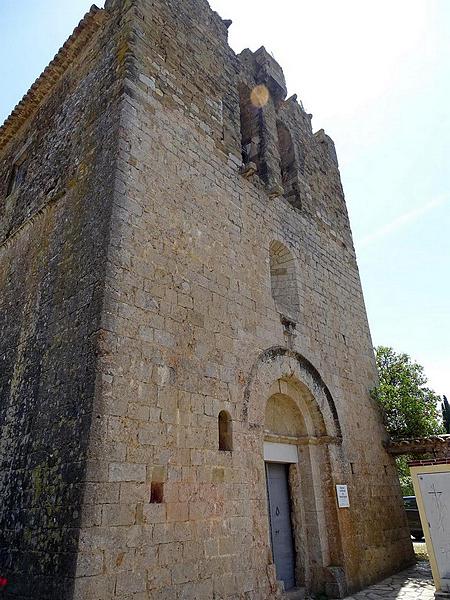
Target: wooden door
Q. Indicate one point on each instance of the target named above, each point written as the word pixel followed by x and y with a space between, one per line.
pixel 280 523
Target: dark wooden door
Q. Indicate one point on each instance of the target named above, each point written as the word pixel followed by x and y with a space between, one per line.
pixel 280 523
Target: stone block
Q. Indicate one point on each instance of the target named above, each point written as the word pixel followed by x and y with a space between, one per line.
pixel 131 582
pixel 119 472
pixel 177 511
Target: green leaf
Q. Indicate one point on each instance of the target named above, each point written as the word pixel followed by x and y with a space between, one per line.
pixel 410 408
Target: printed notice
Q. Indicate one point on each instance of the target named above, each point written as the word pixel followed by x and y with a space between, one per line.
pixel 342 496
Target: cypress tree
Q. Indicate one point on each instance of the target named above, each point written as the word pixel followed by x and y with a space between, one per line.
pixel 446 414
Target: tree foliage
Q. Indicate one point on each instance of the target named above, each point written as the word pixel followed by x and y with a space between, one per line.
pixel 410 408
pixel 404 474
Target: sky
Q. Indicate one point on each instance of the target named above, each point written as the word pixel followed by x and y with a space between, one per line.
pixel 376 76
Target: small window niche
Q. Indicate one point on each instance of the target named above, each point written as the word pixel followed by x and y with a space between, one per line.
pixel 156 492
pixel 289 166
pixel 283 279
pixel 225 432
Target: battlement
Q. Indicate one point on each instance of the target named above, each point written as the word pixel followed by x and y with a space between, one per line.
pixel 279 148
pixel 268 72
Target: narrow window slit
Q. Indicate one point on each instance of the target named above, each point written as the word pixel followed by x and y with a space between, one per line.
pixel 225 432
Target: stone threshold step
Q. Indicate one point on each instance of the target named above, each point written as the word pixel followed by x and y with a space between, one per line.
pixel 294 594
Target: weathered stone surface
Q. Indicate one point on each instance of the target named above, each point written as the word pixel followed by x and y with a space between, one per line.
pixel 148 286
pixel 54 232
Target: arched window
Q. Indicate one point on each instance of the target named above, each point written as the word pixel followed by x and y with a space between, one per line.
pixel 283 279
pixel 289 166
pixel 225 432
pixel 16 178
pixel 250 129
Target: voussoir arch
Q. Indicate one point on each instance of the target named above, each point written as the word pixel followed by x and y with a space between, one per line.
pixel 278 365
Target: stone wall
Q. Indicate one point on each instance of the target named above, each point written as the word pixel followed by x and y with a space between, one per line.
pixel 145 307
pixel 189 313
pixel 54 229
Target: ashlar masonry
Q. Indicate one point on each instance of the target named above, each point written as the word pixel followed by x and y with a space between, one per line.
pixel 185 354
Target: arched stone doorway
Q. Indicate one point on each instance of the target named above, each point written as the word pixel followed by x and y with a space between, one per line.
pixel 291 406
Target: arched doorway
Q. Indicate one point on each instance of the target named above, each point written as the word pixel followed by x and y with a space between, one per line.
pixel 292 407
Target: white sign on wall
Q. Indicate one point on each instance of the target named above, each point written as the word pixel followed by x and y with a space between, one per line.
pixel 342 496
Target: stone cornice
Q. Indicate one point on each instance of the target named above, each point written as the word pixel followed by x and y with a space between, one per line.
pixel 52 74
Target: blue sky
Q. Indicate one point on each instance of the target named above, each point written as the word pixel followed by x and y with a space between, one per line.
pixel 376 76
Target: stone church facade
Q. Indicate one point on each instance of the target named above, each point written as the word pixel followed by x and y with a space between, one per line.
pixel 185 354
